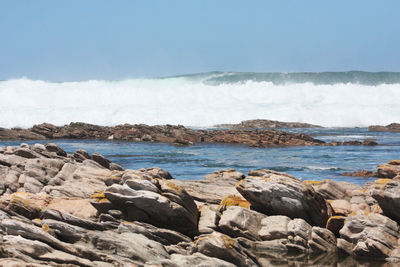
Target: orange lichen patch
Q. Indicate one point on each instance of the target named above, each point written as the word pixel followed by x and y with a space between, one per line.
pixel 239 183
pixel 26 200
pixel 329 201
pixel 45 227
pixel 394 162
pixel 174 186
pixel 312 182
pixel 37 220
pixel 99 196
pixel 228 242
pixel 233 200
pixel 382 181
pixel 126 222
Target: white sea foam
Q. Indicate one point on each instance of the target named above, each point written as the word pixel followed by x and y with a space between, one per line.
pixel 191 102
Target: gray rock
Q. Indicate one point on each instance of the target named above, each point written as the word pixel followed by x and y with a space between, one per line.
pixel 388 197
pixel 51 147
pixel 369 235
pixel 276 194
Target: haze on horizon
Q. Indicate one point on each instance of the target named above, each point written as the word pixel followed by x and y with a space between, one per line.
pixel 97 39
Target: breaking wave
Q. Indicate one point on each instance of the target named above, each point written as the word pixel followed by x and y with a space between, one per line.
pixel 346 99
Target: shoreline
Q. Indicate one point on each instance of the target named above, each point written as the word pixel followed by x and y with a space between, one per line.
pixel 175 134
pixel 71 204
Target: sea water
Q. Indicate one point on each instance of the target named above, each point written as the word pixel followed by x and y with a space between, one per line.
pixel 194 162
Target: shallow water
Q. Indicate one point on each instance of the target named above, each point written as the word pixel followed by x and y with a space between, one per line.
pixel 194 162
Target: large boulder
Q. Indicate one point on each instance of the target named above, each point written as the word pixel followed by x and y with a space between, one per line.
pixel 274 193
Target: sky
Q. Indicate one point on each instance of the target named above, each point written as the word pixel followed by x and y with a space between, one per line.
pixel 97 39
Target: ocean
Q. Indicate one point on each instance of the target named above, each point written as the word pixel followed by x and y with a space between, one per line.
pixel 330 99
pixel 344 102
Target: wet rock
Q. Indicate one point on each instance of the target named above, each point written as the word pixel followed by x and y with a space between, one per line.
pixel 276 194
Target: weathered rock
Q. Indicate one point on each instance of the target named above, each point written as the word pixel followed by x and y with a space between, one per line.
pixel 101 160
pixel 236 221
pixel 322 240
pixel 393 127
pixel 207 218
pixel 276 194
pixel 223 247
pixel 172 209
pixel 228 176
pixel 263 124
pixel 194 260
pixel 369 235
pixel 387 193
pixel 389 170
pixel 55 148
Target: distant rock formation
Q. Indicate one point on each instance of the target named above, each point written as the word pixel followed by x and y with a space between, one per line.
pixel 393 127
pixel 175 134
pixel 266 124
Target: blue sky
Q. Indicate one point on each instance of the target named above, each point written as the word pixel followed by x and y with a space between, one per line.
pixel 97 39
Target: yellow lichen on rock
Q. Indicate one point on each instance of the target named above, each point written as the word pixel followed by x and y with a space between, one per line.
pixel 99 196
pixel 45 227
pixel 233 200
pixel 394 162
pixel 382 181
pixel 313 182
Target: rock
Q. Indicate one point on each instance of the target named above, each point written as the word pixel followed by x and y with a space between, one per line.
pixel 363 173
pixel 274 227
pixel 276 194
pixel 194 260
pixel 101 160
pixel 223 247
pixel 335 223
pixel 207 218
pixel 389 170
pixel 55 148
pixel 229 176
pixel 341 207
pixel 322 240
pixel 387 194
pixel 173 208
pixel 236 221
pixel 393 127
pixel 263 124
pixel 369 235
pixel 206 191
pixel 25 153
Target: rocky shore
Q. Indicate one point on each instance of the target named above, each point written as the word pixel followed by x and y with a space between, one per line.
pixel 266 124
pixel 177 135
pixel 78 209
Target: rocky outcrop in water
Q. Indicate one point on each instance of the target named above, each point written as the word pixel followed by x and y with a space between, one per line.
pixel 177 135
pixel 80 209
pixel 266 124
pixel 393 127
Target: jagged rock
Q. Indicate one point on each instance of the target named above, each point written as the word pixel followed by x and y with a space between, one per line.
pixel 172 209
pixel 101 160
pixel 277 194
pixel 388 170
pixel 322 240
pixel 223 247
pixel 236 221
pixel 207 218
pixel 387 194
pixel 55 148
pixel 341 207
pixel 369 235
